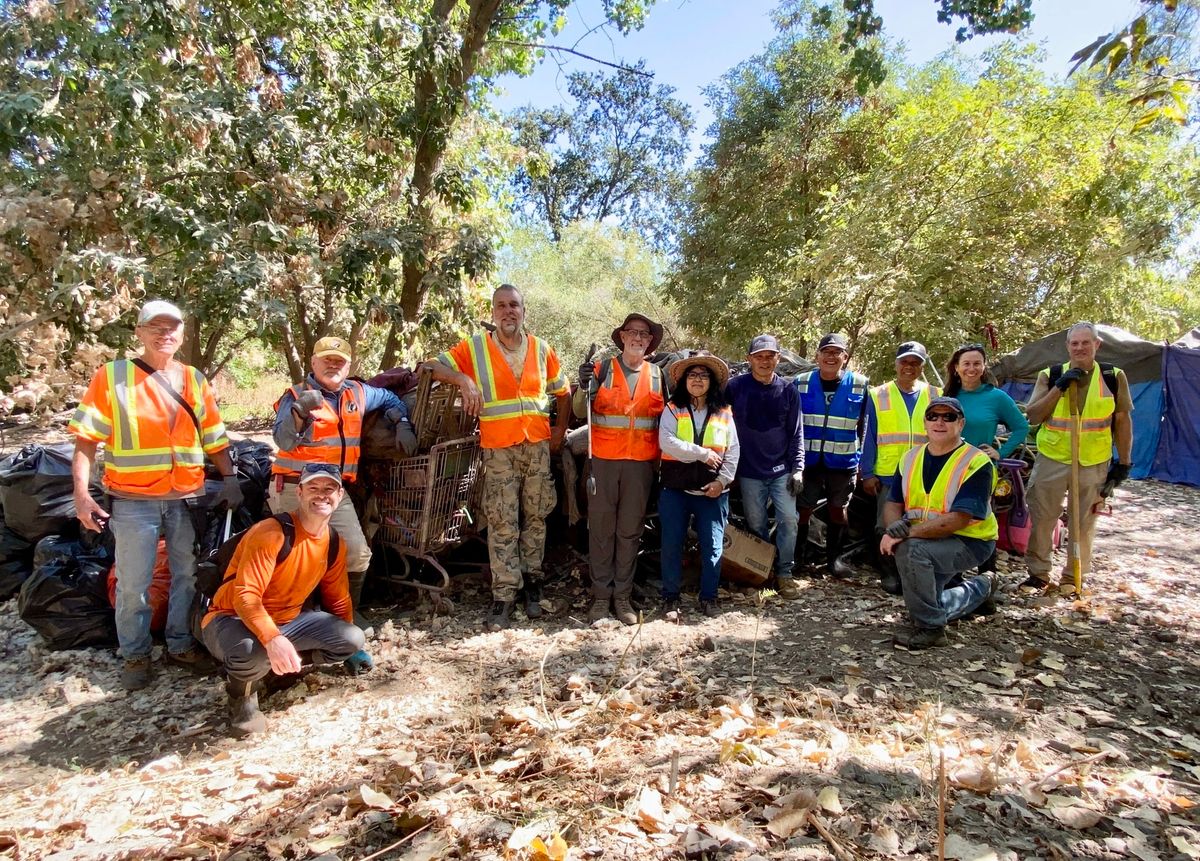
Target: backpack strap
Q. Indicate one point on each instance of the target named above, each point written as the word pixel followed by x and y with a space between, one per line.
pixel 335 544
pixel 1107 371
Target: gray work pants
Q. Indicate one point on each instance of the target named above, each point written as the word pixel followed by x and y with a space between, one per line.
pixel 245 658
pixel 926 565
pixel 1048 486
pixel 616 516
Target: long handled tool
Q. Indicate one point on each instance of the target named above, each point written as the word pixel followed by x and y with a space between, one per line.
pixel 591 482
pixel 1073 512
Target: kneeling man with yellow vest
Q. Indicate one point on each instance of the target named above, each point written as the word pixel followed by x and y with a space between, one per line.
pixel 940 524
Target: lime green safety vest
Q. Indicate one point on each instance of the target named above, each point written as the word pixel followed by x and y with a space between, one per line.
pixel 897 431
pixel 920 506
pixel 1095 426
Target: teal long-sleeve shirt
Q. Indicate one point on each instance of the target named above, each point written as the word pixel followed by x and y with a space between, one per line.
pixel 987 407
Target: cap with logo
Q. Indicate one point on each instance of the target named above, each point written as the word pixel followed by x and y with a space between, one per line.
pixel 763 344
pixel 159 308
pixel 833 339
pixel 331 346
pixel 949 403
pixel 912 348
pixel 311 471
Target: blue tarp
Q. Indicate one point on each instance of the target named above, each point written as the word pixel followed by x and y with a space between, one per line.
pixel 1178 455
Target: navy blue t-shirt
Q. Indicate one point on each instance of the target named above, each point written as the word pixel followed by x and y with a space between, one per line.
pixel 974 497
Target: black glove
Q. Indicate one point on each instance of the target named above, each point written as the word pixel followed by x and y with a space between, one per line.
pixel 794 482
pixel 1118 472
pixel 1071 375
pixel 309 400
pixel 230 494
pixel 587 373
pixel 899 529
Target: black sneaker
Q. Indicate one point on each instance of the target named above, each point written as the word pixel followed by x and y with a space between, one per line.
pixel 839 570
pixel 890 583
pixel 533 598
pixel 988 607
pixel 711 609
pixel 670 609
pixel 498 616
pixel 915 639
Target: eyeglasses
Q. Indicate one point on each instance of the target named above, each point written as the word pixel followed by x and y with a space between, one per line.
pixel 637 333
pixel 941 417
pixel 697 375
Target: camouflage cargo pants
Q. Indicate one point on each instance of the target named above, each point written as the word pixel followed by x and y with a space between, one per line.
pixel 518 493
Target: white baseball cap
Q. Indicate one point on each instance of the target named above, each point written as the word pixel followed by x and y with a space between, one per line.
pixel 159 308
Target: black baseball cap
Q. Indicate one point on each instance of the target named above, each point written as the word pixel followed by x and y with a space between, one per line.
pixel 833 339
pixel 949 403
pixel 912 348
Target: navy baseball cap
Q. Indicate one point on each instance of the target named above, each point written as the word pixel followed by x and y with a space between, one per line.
pixel 949 403
pixel 912 348
pixel 833 339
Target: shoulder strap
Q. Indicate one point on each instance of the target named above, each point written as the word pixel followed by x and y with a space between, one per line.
pixel 1109 373
pixel 166 386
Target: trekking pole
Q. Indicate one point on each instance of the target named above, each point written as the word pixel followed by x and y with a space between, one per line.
pixel 1073 513
pixel 228 525
pixel 591 482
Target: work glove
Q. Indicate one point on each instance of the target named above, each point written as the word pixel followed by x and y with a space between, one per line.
pixel 230 494
pixel 309 400
pixel 1069 376
pixel 359 662
pixel 899 529
pixel 587 375
pixel 406 437
pixel 1117 473
pixel 794 482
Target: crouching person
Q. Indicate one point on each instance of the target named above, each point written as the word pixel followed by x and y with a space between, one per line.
pixel 259 621
pixel 940 524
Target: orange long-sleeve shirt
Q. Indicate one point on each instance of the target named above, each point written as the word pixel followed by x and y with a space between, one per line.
pixel 264 596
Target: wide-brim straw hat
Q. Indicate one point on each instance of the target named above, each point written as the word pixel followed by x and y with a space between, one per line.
pixel 656 332
pixel 700 357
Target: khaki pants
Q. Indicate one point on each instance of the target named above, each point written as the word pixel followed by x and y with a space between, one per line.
pixel 518 493
pixel 616 517
pixel 344 522
pixel 1048 486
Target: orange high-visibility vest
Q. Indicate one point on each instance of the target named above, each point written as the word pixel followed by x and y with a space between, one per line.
pixel 513 411
pixel 336 436
pixel 152 447
pixel 624 425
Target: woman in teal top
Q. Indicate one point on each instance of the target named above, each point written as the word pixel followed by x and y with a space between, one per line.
pixel 984 405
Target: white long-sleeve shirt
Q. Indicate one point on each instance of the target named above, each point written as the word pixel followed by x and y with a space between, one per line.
pixel 688 452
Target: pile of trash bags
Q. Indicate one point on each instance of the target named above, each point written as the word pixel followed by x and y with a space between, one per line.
pixel 62 573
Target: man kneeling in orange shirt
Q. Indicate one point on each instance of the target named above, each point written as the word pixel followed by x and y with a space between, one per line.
pixel 259 620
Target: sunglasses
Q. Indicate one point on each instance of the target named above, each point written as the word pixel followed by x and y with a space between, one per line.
pixel 941 417
pixel 321 469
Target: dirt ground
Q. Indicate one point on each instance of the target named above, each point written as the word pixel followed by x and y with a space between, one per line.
pixel 1058 729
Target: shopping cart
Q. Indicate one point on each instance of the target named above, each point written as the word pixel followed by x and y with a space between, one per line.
pixel 428 504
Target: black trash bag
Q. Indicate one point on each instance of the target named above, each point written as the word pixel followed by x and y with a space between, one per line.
pixel 253 462
pixel 66 598
pixel 16 561
pixel 214 532
pixel 36 491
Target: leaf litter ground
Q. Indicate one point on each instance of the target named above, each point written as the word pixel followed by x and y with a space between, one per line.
pixel 1059 729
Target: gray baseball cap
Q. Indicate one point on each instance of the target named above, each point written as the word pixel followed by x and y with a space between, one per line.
pixel 763 344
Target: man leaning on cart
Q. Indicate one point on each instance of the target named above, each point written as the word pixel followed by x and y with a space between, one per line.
pixel 506 378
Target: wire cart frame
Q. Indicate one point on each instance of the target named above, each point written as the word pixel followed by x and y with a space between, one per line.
pixel 429 503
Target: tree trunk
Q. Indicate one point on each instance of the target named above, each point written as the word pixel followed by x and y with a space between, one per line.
pixel 291 354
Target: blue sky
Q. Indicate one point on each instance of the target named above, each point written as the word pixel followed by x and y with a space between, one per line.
pixel 688 44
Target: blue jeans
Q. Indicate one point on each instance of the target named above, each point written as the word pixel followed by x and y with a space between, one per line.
pixel 135 525
pixel 926 565
pixel 675 510
pixel 755 492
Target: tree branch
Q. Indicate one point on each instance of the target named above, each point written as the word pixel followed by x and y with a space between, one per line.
pixel 566 50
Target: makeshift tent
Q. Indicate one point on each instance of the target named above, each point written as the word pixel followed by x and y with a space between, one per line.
pixel 1164 381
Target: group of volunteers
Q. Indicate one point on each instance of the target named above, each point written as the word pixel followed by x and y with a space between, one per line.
pixel 290 591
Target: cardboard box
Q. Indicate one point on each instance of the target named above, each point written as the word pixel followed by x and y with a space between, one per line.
pixel 746 558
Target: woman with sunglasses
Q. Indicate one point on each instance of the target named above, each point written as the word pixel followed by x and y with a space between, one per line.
pixel 699 458
pixel 984 406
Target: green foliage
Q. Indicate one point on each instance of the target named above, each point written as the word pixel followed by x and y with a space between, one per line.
pixel 577 290
pixel 619 155
pixel 927 212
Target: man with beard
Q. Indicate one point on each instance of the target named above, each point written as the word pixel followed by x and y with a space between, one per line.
pixel 506 378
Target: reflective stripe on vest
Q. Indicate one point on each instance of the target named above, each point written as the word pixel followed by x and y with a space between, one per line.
pixel 716 430
pixel 1096 412
pixel 148 442
pixel 832 430
pixel 336 435
pixel 514 411
pixel 920 506
pixel 624 425
pixel 896 429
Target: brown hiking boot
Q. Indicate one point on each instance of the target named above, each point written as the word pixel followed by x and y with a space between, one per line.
pixel 598 610
pixel 193 660
pixel 244 717
pixel 136 673
pixel 624 611
pixel 787 588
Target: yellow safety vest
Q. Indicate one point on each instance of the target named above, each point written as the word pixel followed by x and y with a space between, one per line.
pixel 898 431
pixel 920 506
pixel 1095 437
